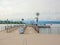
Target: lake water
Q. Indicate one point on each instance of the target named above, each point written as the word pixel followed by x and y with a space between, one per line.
pixel 2 26
pixel 55 28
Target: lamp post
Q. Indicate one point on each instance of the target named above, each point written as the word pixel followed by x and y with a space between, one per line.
pixel 7 25
pixel 22 20
pixel 37 14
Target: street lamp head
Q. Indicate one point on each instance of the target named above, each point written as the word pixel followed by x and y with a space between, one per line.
pixel 37 13
pixel 22 19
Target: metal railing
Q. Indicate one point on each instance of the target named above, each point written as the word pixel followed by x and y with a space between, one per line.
pixel 52 30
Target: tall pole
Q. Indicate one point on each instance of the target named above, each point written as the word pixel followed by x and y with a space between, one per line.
pixel 11 23
pixel 7 25
pixel 22 20
pixel 37 14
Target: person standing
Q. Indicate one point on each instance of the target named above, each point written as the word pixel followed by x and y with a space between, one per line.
pixel 21 30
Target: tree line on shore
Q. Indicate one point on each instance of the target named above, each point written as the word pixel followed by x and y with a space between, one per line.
pixel 10 22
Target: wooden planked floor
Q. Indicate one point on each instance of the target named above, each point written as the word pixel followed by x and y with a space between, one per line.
pixel 29 30
pixel 30 38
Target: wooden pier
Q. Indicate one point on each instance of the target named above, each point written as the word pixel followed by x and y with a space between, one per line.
pixel 31 37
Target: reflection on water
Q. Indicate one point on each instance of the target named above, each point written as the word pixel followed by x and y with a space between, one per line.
pixel 53 30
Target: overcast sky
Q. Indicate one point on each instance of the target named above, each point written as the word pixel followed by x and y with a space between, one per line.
pixel 17 9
